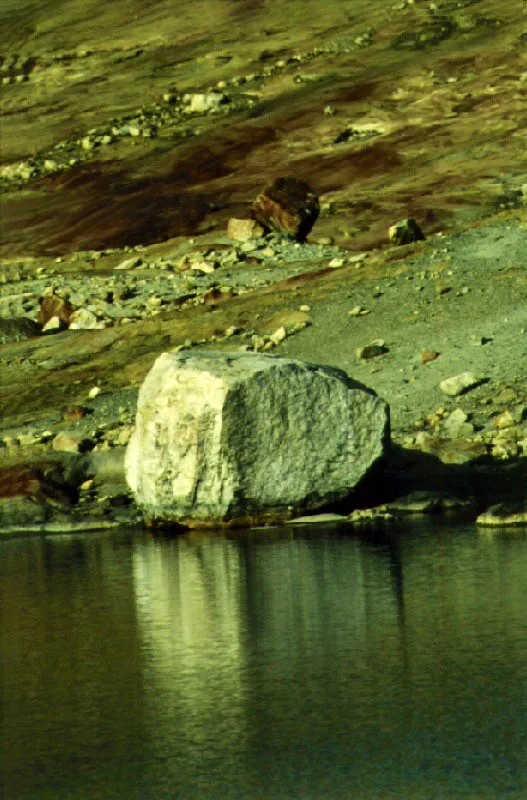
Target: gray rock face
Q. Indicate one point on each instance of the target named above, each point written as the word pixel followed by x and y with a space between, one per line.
pixel 248 438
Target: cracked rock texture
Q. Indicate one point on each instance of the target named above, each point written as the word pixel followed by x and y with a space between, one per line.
pixel 238 438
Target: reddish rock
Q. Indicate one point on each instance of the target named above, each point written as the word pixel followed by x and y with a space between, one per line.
pixel 74 413
pixel 428 355
pixel 288 206
pixel 53 305
pixel 38 481
pixel 20 480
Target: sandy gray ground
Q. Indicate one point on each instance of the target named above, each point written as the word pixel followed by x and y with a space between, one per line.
pixel 462 296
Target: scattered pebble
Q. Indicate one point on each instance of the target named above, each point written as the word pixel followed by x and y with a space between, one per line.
pixel 358 311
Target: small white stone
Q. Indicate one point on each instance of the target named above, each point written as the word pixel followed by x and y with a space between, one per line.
pixel 279 335
pixel 124 435
pixel 231 331
pixel 243 229
pixel 456 425
pixel 203 266
pixel 458 384
pixel 68 442
pixel 94 392
pixel 52 325
pixel 357 259
pixel 130 263
pixel 203 103
pixel 83 319
pixel 358 311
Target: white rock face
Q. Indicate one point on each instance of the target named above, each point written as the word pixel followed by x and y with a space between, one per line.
pixel 83 319
pixel 203 103
pixel 245 438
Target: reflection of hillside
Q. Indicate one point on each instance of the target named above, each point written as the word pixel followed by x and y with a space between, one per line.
pixel 71 673
pixel 274 664
pixel 464 602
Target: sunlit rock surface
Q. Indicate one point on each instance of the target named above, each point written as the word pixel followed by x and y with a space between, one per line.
pixel 232 438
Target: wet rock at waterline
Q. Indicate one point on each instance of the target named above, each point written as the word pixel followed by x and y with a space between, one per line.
pixel 31 494
pixel 244 438
pixel 288 206
pixel 504 515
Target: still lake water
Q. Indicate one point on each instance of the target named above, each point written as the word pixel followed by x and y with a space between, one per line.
pixel 280 664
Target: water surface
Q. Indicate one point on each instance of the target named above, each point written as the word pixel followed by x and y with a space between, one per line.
pixel 280 664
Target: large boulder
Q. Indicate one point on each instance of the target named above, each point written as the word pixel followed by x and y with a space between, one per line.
pixel 249 438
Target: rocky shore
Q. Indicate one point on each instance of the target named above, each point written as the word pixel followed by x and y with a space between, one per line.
pixel 436 328
pixel 114 242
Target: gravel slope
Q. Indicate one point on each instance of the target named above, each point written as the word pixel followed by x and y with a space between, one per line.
pixel 461 295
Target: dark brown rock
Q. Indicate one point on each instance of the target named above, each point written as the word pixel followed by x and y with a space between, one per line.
pixel 288 206
pixel 32 494
pixel 39 481
pixel 53 305
pixel 74 413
